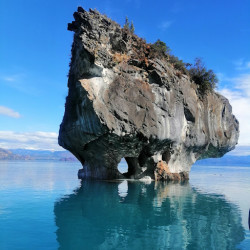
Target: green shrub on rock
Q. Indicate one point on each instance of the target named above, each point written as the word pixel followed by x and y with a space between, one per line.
pixel 161 47
pixel 205 79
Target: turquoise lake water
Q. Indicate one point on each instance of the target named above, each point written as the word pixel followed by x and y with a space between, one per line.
pixel 44 206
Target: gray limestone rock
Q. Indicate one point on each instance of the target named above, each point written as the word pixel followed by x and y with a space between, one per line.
pixel 125 102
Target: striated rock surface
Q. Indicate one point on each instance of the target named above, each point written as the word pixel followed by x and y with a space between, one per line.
pixel 124 101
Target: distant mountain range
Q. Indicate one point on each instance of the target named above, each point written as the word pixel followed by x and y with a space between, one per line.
pixel 227 160
pixel 39 155
pixel 46 155
pixel 8 155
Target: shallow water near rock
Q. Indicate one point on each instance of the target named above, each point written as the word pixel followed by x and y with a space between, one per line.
pixel 44 206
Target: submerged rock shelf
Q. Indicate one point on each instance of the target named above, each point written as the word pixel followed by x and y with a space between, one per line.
pixel 126 102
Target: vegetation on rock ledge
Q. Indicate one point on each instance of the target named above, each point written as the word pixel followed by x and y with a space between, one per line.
pixel 205 79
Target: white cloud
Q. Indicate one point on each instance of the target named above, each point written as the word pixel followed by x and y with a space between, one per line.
pixel 9 112
pixel 239 98
pixel 29 140
pixel 165 25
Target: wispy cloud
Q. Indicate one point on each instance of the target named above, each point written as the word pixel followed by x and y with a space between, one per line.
pixel 12 78
pixel 29 140
pixel 165 25
pixel 240 151
pixel 176 7
pixel 9 112
pixel 242 64
pixel 9 78
pixel 238 94
pixel 15 81
pixel 19 81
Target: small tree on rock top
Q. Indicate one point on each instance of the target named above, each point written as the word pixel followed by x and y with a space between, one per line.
pixel 132 27
pixel 129 27
pixel 126 25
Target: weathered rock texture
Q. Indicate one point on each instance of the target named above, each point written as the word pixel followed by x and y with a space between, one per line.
pixel 124 101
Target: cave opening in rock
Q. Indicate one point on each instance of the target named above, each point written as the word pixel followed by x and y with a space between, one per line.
pixel 123 166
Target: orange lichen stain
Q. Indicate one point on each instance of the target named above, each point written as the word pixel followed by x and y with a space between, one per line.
pixel 118 57
pixel 162 170
pixel 220 134
pixel 163 166
pixel 85 83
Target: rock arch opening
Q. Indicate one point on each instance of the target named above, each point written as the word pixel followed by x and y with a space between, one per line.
pixel 123 166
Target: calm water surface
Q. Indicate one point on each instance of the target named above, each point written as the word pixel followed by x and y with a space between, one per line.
pixel 44 206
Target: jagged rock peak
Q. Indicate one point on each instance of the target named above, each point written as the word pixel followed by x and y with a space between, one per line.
pixel 125 101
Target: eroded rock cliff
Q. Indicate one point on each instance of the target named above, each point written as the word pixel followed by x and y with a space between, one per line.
pixel 124 101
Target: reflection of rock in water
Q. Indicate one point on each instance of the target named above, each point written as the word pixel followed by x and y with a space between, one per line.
pixel 157 216
pixel 249 219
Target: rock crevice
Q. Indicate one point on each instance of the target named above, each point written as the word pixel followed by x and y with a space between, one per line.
pixel 125 102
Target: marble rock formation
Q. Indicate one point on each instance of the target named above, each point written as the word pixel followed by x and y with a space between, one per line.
pixel 125 102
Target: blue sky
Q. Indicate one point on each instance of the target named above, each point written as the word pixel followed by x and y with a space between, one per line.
pixel 35 53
